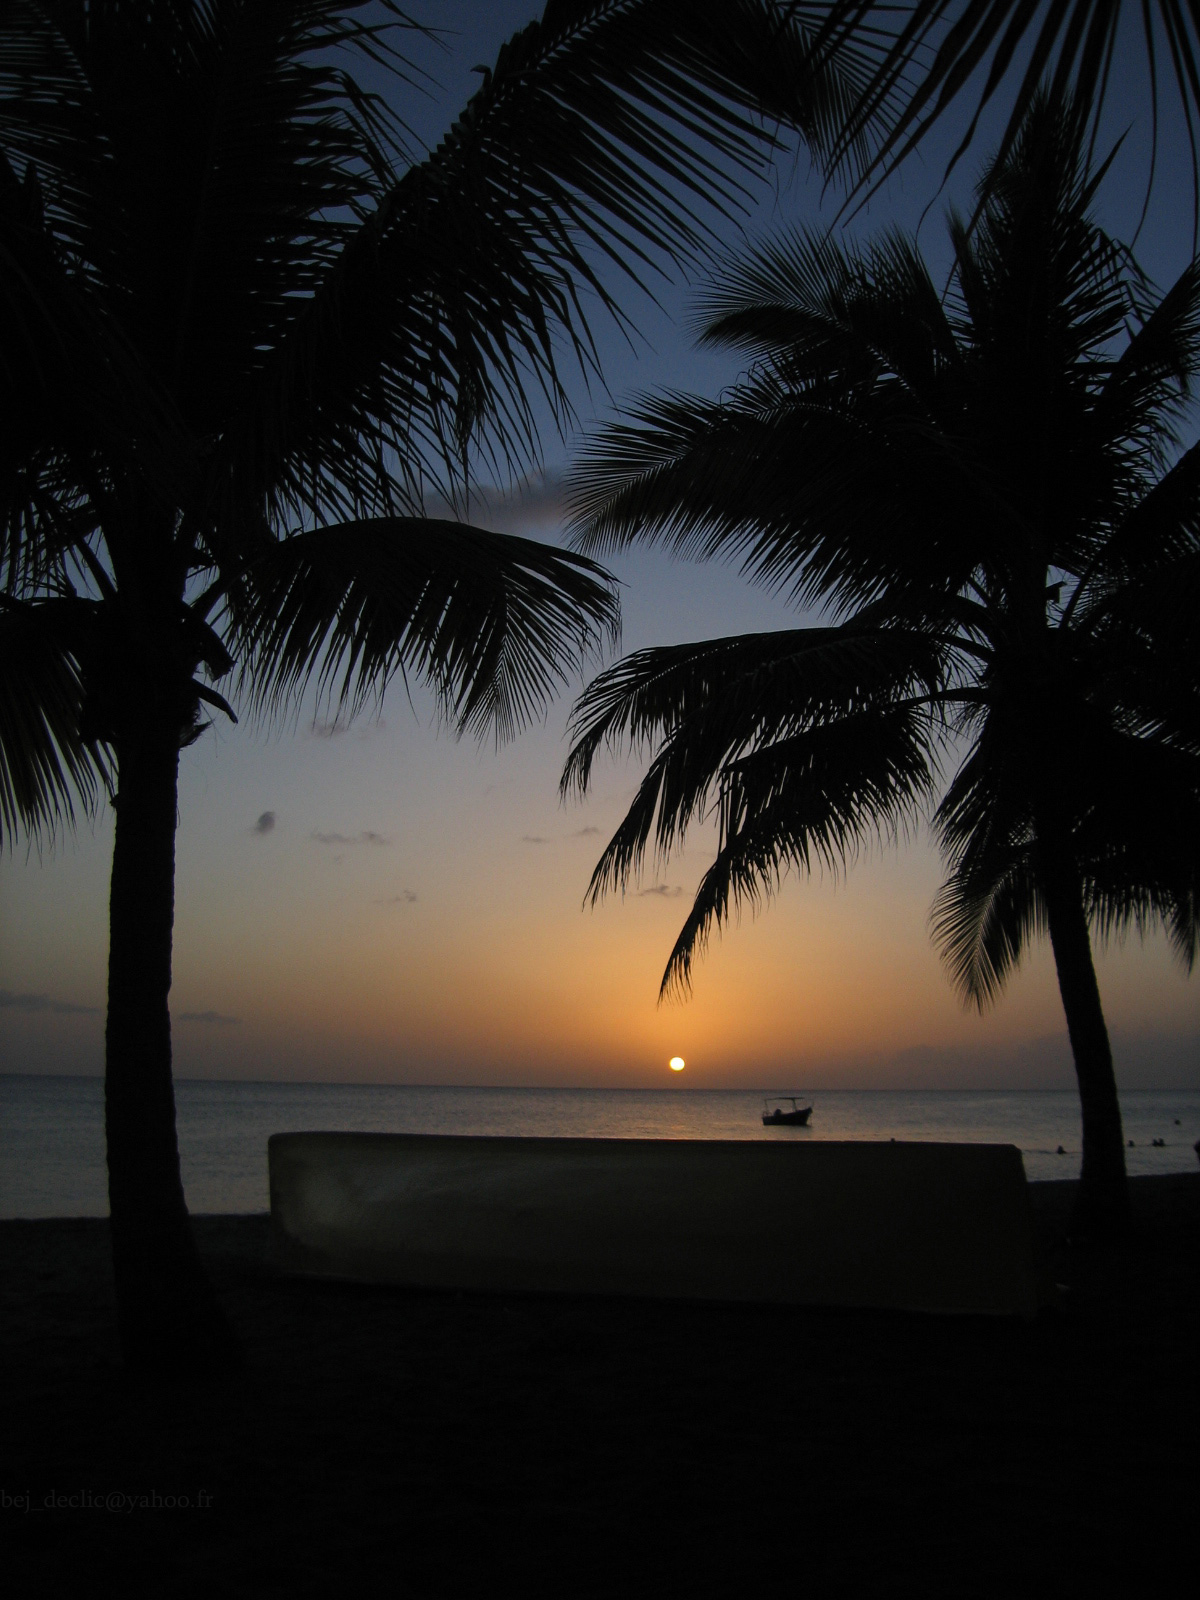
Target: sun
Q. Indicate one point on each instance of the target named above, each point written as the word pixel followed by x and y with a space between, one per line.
pixel 676 1063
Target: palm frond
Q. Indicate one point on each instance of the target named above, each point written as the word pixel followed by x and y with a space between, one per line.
pixel 816 797
pixel 46 764
pixel 496 623
pixel 1161 528
pixel 1146 395
pixel 829 733
pixel 607 132
pixel 936 48
pixel 825 496
pixel 1138 841
pixel 983 917
pixel 746 689
pixel 75 387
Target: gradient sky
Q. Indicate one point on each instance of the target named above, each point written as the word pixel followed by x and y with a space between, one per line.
pixel 385 903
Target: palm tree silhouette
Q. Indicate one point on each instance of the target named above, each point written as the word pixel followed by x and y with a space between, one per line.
pixel 245 336
pixel 976 485
pixel 935 50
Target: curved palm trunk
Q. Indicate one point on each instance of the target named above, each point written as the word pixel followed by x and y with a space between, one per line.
pixel 169 1317
pixel 1102 1208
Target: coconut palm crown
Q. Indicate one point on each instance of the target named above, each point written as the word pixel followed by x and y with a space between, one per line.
pixel 247 332
pixel 986 490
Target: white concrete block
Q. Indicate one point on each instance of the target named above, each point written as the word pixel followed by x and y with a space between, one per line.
pixel 923 1227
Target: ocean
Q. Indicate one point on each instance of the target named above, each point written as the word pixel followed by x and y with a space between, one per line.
pixel 52 1129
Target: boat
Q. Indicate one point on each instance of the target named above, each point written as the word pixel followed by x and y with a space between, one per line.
pixel 785 1111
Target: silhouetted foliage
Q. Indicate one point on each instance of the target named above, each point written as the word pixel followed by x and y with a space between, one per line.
pixel 986 490
pixel 246 332
pixel 937 47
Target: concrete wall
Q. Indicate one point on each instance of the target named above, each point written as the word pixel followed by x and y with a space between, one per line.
pixel 929 1227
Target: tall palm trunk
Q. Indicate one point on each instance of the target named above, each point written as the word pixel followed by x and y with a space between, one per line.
pixel 1102 1207
pixel 169 1317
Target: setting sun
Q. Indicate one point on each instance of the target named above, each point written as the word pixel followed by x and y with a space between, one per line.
pixel 676 1063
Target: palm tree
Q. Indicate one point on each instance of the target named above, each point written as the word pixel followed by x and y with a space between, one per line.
pixel 976 483
pixel 245 335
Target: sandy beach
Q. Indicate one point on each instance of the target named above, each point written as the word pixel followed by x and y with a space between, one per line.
pixel 461 1445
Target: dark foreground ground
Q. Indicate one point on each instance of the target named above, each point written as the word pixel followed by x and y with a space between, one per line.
pixel 440 1445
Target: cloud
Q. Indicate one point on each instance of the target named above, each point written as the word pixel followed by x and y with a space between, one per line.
pixel 664 891
pixel 216 1017
pixel 43 1002
pixel 406 897
pixel 541 838
pixel 367 836
pixel 334 728
pixel 533 504
pixel 265 823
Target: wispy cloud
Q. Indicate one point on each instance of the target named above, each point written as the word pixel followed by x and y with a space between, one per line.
pixel 542 838
pixel 535 503
pixel 406 897
pixel 265 823
pixel 664 891
pixel 217 1017
pixel 43 1002
pixel 334 728
pixel 367 836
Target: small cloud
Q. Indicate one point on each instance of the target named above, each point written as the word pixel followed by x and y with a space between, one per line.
pixel 532 504
pixel 533 838
pixel 406 897
pixel 664 891
pixel 334 728
pixel 43 1002
pixel 217 1017
pixel 367 836
pixel 584 833
pixel 265 823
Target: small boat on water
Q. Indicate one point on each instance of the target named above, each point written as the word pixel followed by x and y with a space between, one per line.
pixel 785 1111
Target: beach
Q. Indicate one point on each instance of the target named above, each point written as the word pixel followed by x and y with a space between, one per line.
pixel 462 1444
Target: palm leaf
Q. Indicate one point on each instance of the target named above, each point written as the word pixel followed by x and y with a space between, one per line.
pixel 45 761
pixel 817 796
pixel 496 623
pixel 824 735
pixel 937 48
pixel 80 387
pixel 606 132
pixel 982 918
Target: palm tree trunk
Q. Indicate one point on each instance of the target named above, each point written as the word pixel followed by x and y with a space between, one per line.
pixel 169 1317
pixel 1102 1208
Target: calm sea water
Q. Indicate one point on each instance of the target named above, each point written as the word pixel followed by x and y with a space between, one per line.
pixel 52 1129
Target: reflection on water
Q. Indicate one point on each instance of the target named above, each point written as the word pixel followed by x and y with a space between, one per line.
pixel 52 1129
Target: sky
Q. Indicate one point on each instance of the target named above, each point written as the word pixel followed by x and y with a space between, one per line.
pixel 386 903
